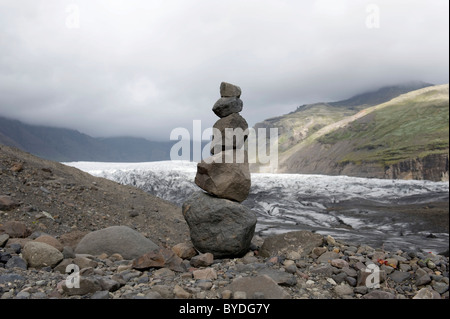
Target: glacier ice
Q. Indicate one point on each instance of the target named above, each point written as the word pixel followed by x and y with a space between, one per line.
pixel 285 202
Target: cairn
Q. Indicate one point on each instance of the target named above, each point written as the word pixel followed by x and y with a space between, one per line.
pixel 218 222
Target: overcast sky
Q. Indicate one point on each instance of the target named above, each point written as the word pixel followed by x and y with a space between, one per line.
pixel 143 68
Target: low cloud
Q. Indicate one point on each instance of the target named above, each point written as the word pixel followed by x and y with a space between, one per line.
pixel 142 68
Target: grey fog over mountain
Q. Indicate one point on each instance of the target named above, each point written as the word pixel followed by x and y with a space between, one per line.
pixel 142 68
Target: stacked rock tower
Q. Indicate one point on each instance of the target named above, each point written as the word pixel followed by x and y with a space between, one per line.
pixel 218 223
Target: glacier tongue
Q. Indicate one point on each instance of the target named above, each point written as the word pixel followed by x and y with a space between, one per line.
pixel 285 202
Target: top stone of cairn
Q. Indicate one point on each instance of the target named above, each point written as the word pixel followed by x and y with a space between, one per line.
pixel 229 90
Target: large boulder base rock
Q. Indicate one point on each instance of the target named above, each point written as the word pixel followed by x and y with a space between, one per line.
pixel 219 226
pixel 225 180
pixel 116 239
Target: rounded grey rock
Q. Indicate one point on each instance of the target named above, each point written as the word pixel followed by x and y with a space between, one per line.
pixel 41 255
pixel 227 105
pixel 116 239
pixel 219 226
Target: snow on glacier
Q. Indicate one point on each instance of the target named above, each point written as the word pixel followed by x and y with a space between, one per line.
pixel 285 202
pixel 287 185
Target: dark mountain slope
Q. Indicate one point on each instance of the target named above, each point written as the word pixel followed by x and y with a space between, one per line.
pixel 65 145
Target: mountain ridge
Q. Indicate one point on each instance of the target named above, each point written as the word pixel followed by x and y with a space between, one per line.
pixel 383 94
pixel 307 119
pixel 65 145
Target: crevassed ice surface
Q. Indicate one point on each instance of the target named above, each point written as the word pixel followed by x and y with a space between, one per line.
pixel 287 202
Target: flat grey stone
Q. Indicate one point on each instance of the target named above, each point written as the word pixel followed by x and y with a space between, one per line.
pixel 260 284
pixel 399 276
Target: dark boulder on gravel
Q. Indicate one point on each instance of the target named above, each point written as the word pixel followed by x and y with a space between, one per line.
pixel 219 226
pixel 116 239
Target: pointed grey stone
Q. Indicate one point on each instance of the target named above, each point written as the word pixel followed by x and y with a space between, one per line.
pixel 229 90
